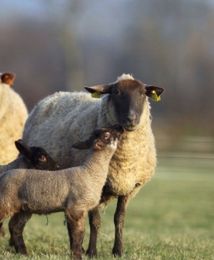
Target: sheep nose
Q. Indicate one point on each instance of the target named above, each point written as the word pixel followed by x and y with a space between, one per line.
pixel 131 117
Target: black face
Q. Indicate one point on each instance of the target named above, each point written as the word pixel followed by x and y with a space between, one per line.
pixel 107 135
pixel 128 97
pixel 36 157
pixel 40 159
pixel 100 138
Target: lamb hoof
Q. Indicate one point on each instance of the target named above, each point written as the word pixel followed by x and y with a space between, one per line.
pixel 11 242
pixel 22 251
pixel 76 257
pixel 117 252
pixel 91 253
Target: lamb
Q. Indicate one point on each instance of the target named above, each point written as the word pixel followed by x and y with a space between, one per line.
pixel 29 157
pixel 13 114
pixel 61 119
pixel 75 191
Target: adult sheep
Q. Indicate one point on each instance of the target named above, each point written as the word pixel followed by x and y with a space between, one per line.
pixel 64 118
pixel 13 114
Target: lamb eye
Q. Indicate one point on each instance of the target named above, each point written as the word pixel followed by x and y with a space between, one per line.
pixel 42 158
pixel 107 135
pixel 116 91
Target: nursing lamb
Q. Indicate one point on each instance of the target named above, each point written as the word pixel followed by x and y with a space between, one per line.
pixel 74 190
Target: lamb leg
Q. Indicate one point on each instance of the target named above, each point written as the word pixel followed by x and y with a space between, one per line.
pixel 16 227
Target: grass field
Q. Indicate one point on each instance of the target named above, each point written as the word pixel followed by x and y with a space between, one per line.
pixel 171 218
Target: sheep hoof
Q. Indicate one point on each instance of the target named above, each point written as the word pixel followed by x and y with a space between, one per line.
pixel 117 252
pixel 24 253
pixel 11 242
pixel 76 257
pixel 91 253
pixel 21 250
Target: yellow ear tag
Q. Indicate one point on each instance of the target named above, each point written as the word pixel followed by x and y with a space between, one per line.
pixel 96 95
pixel 155 97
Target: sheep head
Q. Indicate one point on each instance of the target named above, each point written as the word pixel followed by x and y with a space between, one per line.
pixel 127 96
pixel 36 157
pixel 101 138
pixel 8 78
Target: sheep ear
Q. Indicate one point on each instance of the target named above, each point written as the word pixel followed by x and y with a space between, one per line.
pixel 23 149
pixel 83 145
pixel 154 92
pixel 8 78
pixel 98 90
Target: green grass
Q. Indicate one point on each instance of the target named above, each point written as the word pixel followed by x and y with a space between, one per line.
pixel 171 218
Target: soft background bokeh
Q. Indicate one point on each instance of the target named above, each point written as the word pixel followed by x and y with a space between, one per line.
pixel 55 45
pixel 64 45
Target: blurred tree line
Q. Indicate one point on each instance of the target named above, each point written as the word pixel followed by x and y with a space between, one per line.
pixel 74 43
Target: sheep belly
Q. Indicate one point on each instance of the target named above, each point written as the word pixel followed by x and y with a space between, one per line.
pixel 44 196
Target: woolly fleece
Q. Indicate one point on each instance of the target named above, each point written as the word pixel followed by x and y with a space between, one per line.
pixel 64 118
pixel 13 114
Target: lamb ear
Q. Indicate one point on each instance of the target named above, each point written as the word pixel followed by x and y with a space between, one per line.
pixel 99 90
pixel 23 149
pixel 8 78
pixel 83 145
pixel 154 92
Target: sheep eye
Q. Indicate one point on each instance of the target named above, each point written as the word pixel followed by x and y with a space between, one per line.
pixel 115 91
pixel 107 135
pixel 43 158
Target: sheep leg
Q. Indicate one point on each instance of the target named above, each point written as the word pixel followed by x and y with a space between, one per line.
pixel 2 233
pixel 94 222
pixel 16 227
pixel 70 237
pixel 69 233
pixel 76 229
pixel 119 217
